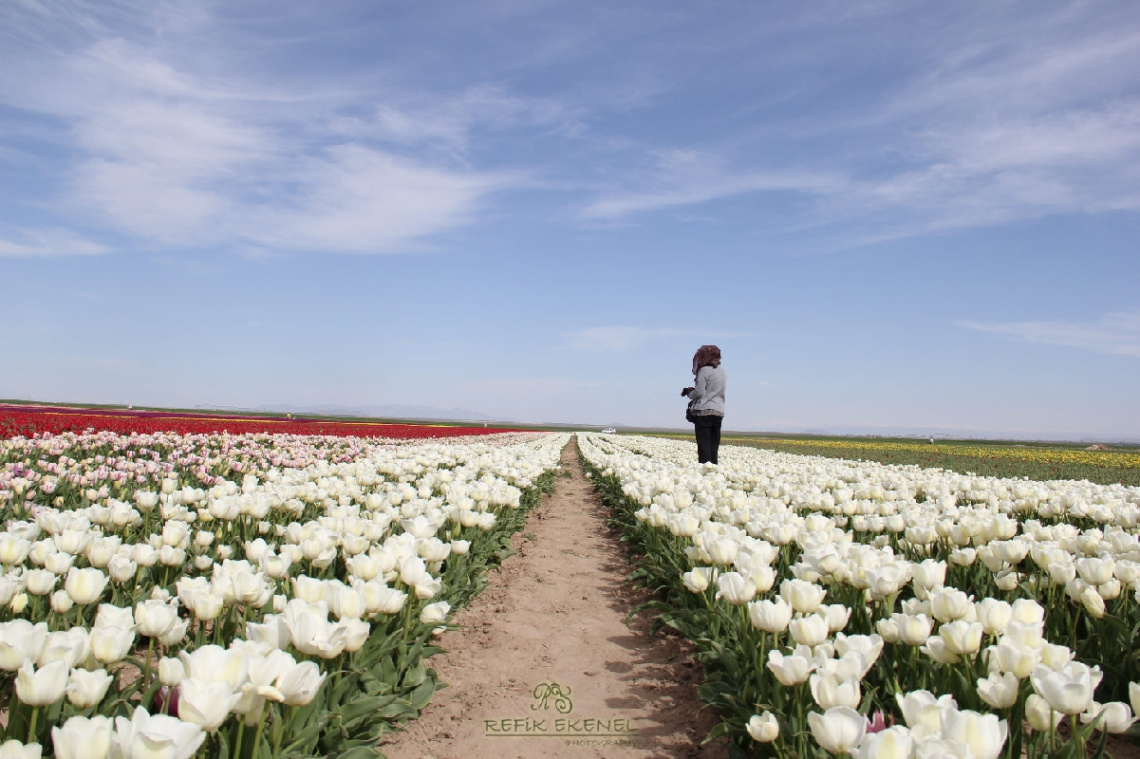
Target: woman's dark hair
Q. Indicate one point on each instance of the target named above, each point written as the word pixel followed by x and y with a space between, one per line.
pixel 704 356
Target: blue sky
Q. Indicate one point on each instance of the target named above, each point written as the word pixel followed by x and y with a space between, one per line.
pixel 891 216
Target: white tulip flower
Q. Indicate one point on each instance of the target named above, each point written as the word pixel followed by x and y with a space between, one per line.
pixel 1040 715
pixel 43 686
pixel 803 597
pixel 1068 691
pixel 829 691
pixel 205 703
pixel 83 738
pixel 435 613
pixel 84 586
pixel 155 618
pixel 146 735
pixel 61 603
pixel 838 730
pixel 962 638
pixel 790 669
pixel 86 688
pixel 893 743
pixel 40 582
pixel 770 616
pixel 299 684
pixel 984 734
pixel 111 644
pixel 810 630
pixel 999 690
pixel 1114 717
pixel 764 727
pixel 922 708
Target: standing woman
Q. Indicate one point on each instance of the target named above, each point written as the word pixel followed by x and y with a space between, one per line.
pixel 706 402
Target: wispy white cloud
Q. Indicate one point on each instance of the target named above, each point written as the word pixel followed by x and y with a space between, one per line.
pixel 171 156
pixel 1023 65
pixel 687 177
pixel 353 198
pixel 1001 117
pixel 1078 161
pixel 626 338
pixel 989 124
pixel 1116 333
pixel 446 122
pixel 1033 117
pixel 48 243
pixel 502 388
pixel 619 338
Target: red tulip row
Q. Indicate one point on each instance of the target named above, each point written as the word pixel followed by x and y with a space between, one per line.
pixel 25 421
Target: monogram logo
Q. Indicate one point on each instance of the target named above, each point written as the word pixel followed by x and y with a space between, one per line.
pixel 545 693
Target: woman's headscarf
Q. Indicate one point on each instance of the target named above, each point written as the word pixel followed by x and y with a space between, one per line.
pixel 704 356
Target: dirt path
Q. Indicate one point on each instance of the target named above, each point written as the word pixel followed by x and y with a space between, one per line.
pixel 544 664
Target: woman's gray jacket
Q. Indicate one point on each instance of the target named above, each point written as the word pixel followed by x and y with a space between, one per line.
pixel 708 392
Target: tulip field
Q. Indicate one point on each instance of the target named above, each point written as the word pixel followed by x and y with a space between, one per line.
pixel 26 421
pixel 181 585
pixel 855 608
pixel 998 459
pixel 192 592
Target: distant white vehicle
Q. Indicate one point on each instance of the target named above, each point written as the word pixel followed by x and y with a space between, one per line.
pixel 609 430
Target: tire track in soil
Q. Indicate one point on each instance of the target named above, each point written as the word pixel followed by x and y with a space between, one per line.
pixel 555 613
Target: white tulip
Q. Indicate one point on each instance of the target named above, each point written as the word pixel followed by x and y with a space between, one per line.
pixel 43 686
pixel 205 703
pixel 83 738
pixel 838 730
pixel 770 616
pixel 892 743
pixel 999 690
pixel 87 688
pixel 84 586
pixel 435 613
pixel 810 630
pixel 145 735
pixel 790 669
pixel 154 618
pixel 111 644
pixel 763 728
pixel 1114 717
pixel 735 588
pixel 829 691
pixel 1068 691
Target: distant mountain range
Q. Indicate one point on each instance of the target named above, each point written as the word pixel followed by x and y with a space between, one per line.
pixel 964 433
pixel 392 411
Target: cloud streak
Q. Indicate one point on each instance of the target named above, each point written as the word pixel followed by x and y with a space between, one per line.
pixel 49 243
pixel 689 177
pixel 1115 334
pixel 172 157
pixel 185 130
pixel 628 338
pixel 988 125
pixel 619 338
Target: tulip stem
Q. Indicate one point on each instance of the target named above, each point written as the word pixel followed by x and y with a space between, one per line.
pixel 278 734
pixel 146 664
pixel 257 737
pixel 32 725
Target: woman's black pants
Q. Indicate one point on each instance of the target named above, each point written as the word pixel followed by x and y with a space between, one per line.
pixel 708 437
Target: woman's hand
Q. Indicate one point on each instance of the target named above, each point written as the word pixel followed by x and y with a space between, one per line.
pixel 687 390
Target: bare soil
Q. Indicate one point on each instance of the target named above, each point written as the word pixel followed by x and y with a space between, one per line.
pixel 545 664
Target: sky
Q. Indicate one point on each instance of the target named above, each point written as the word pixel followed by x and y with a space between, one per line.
pixel 892 217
